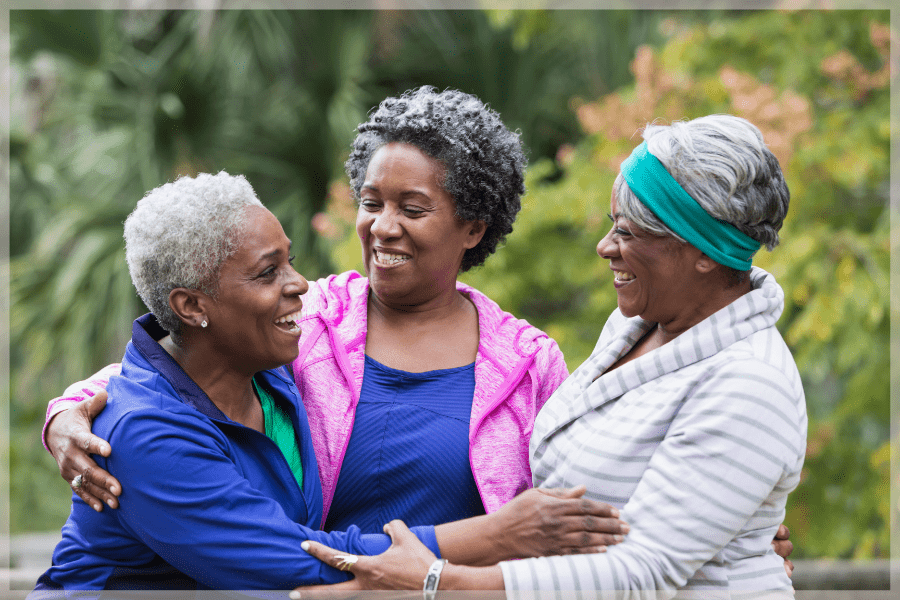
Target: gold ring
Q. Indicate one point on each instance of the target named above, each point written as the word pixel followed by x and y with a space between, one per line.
pixel 345 561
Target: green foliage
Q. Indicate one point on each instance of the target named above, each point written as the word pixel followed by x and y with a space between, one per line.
pixel 833 260
pixel 115 103
pixel 109 104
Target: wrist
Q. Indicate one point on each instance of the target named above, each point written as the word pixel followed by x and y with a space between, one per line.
pixel 433 578
pixel 54 408
pixel 463 577
pixel 496 531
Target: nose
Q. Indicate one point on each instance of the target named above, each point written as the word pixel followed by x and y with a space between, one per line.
pixel 606 248
pixel 296 285
pixel 386 225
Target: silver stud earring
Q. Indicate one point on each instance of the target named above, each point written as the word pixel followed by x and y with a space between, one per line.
pixel 204 323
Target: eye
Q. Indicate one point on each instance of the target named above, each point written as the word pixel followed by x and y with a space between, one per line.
pixel 368 205
pixel 413 211
pixel 620 231
pixel 268 272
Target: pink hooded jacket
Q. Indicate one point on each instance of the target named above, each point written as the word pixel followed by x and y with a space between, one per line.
pixel 517 368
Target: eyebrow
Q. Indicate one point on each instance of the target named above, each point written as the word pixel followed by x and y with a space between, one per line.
pixel 274 253
pixel 404 194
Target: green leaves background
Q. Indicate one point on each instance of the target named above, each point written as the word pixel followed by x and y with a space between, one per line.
pixel 109 104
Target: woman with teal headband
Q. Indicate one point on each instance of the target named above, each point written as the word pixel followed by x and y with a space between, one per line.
pixel 689 416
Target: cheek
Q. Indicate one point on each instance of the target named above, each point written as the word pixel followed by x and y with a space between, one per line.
pixel 363 224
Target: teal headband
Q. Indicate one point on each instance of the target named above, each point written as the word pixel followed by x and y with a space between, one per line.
pixel 658 191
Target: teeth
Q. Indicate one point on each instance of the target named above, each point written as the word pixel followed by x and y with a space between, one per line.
pixel 293 317
pixel 390 259
pixel 622 276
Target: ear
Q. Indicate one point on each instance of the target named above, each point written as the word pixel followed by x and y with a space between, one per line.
pixel 475 231
pixel 705 264
pixel 191 306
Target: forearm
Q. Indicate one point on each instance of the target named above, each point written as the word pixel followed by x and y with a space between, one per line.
pixel 462 577
pixel 474 541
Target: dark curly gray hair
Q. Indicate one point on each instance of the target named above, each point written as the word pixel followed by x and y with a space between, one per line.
pixel 484 161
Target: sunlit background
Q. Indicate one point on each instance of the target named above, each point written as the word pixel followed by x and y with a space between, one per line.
pixel 109 104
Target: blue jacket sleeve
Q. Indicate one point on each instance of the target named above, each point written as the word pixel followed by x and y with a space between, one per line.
pixel 186 499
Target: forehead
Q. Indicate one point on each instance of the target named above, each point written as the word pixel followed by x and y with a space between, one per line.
pixel 403 162
pixel 262 233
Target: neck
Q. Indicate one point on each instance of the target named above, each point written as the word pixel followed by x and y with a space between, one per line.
pixel 441 307
pixel 717 298
pixel 231 391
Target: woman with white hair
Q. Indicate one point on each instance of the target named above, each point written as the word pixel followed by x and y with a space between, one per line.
pixel 221 484
pixel 689 415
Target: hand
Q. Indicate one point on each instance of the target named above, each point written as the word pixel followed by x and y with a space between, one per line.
pixel 403 566
pixel 783 547
pixel 543 522
pixel 71 443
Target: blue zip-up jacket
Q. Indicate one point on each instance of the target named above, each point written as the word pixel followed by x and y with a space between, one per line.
pixel 206 503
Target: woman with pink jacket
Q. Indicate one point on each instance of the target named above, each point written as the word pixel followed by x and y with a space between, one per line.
pixel 421 391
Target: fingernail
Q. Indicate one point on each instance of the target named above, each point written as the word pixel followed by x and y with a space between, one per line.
pixel 303 546
pixel 615 512
pixel 625 528
pixel 619 538
pixel 98 507
pixel 109 503
pixel 294 595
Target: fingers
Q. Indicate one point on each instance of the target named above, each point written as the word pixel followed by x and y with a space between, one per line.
pixel 342 561
pixel 96 404
pixel 783 533
pixel 91 444
pixel 399 532
pixel 99 485
pixel 571 502
pixel 96 486
pixel 585 542
pixel 789 567
pixel 575 492
pixel 783 548
pixel 84 414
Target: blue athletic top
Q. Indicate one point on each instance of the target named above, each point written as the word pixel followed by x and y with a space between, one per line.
pixel 408 455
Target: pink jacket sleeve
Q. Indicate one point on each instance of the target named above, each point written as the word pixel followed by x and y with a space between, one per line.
pixel 78 391
pixel 552 366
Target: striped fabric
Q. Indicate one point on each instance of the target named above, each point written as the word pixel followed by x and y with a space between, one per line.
pixel 698 443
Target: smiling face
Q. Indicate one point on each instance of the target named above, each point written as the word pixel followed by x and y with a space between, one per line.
pixel 258 301
pixel 656 277
pixel 412 241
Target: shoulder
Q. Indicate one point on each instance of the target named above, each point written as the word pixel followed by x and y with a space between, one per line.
pixel 742 386
pixel 502 332
pixel 140 393
pixel 334 295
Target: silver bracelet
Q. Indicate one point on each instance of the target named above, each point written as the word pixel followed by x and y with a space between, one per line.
pixel 433 578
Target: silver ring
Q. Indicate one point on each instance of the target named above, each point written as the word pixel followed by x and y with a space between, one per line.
pixel 76 483
pixel 345 561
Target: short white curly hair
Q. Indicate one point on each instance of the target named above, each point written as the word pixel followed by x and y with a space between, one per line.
pixel 180 234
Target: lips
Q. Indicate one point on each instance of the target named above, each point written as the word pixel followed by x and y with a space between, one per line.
pixel 623 277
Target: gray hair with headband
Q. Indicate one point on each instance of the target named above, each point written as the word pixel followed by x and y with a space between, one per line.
pixel 180 234
pixel 723 163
